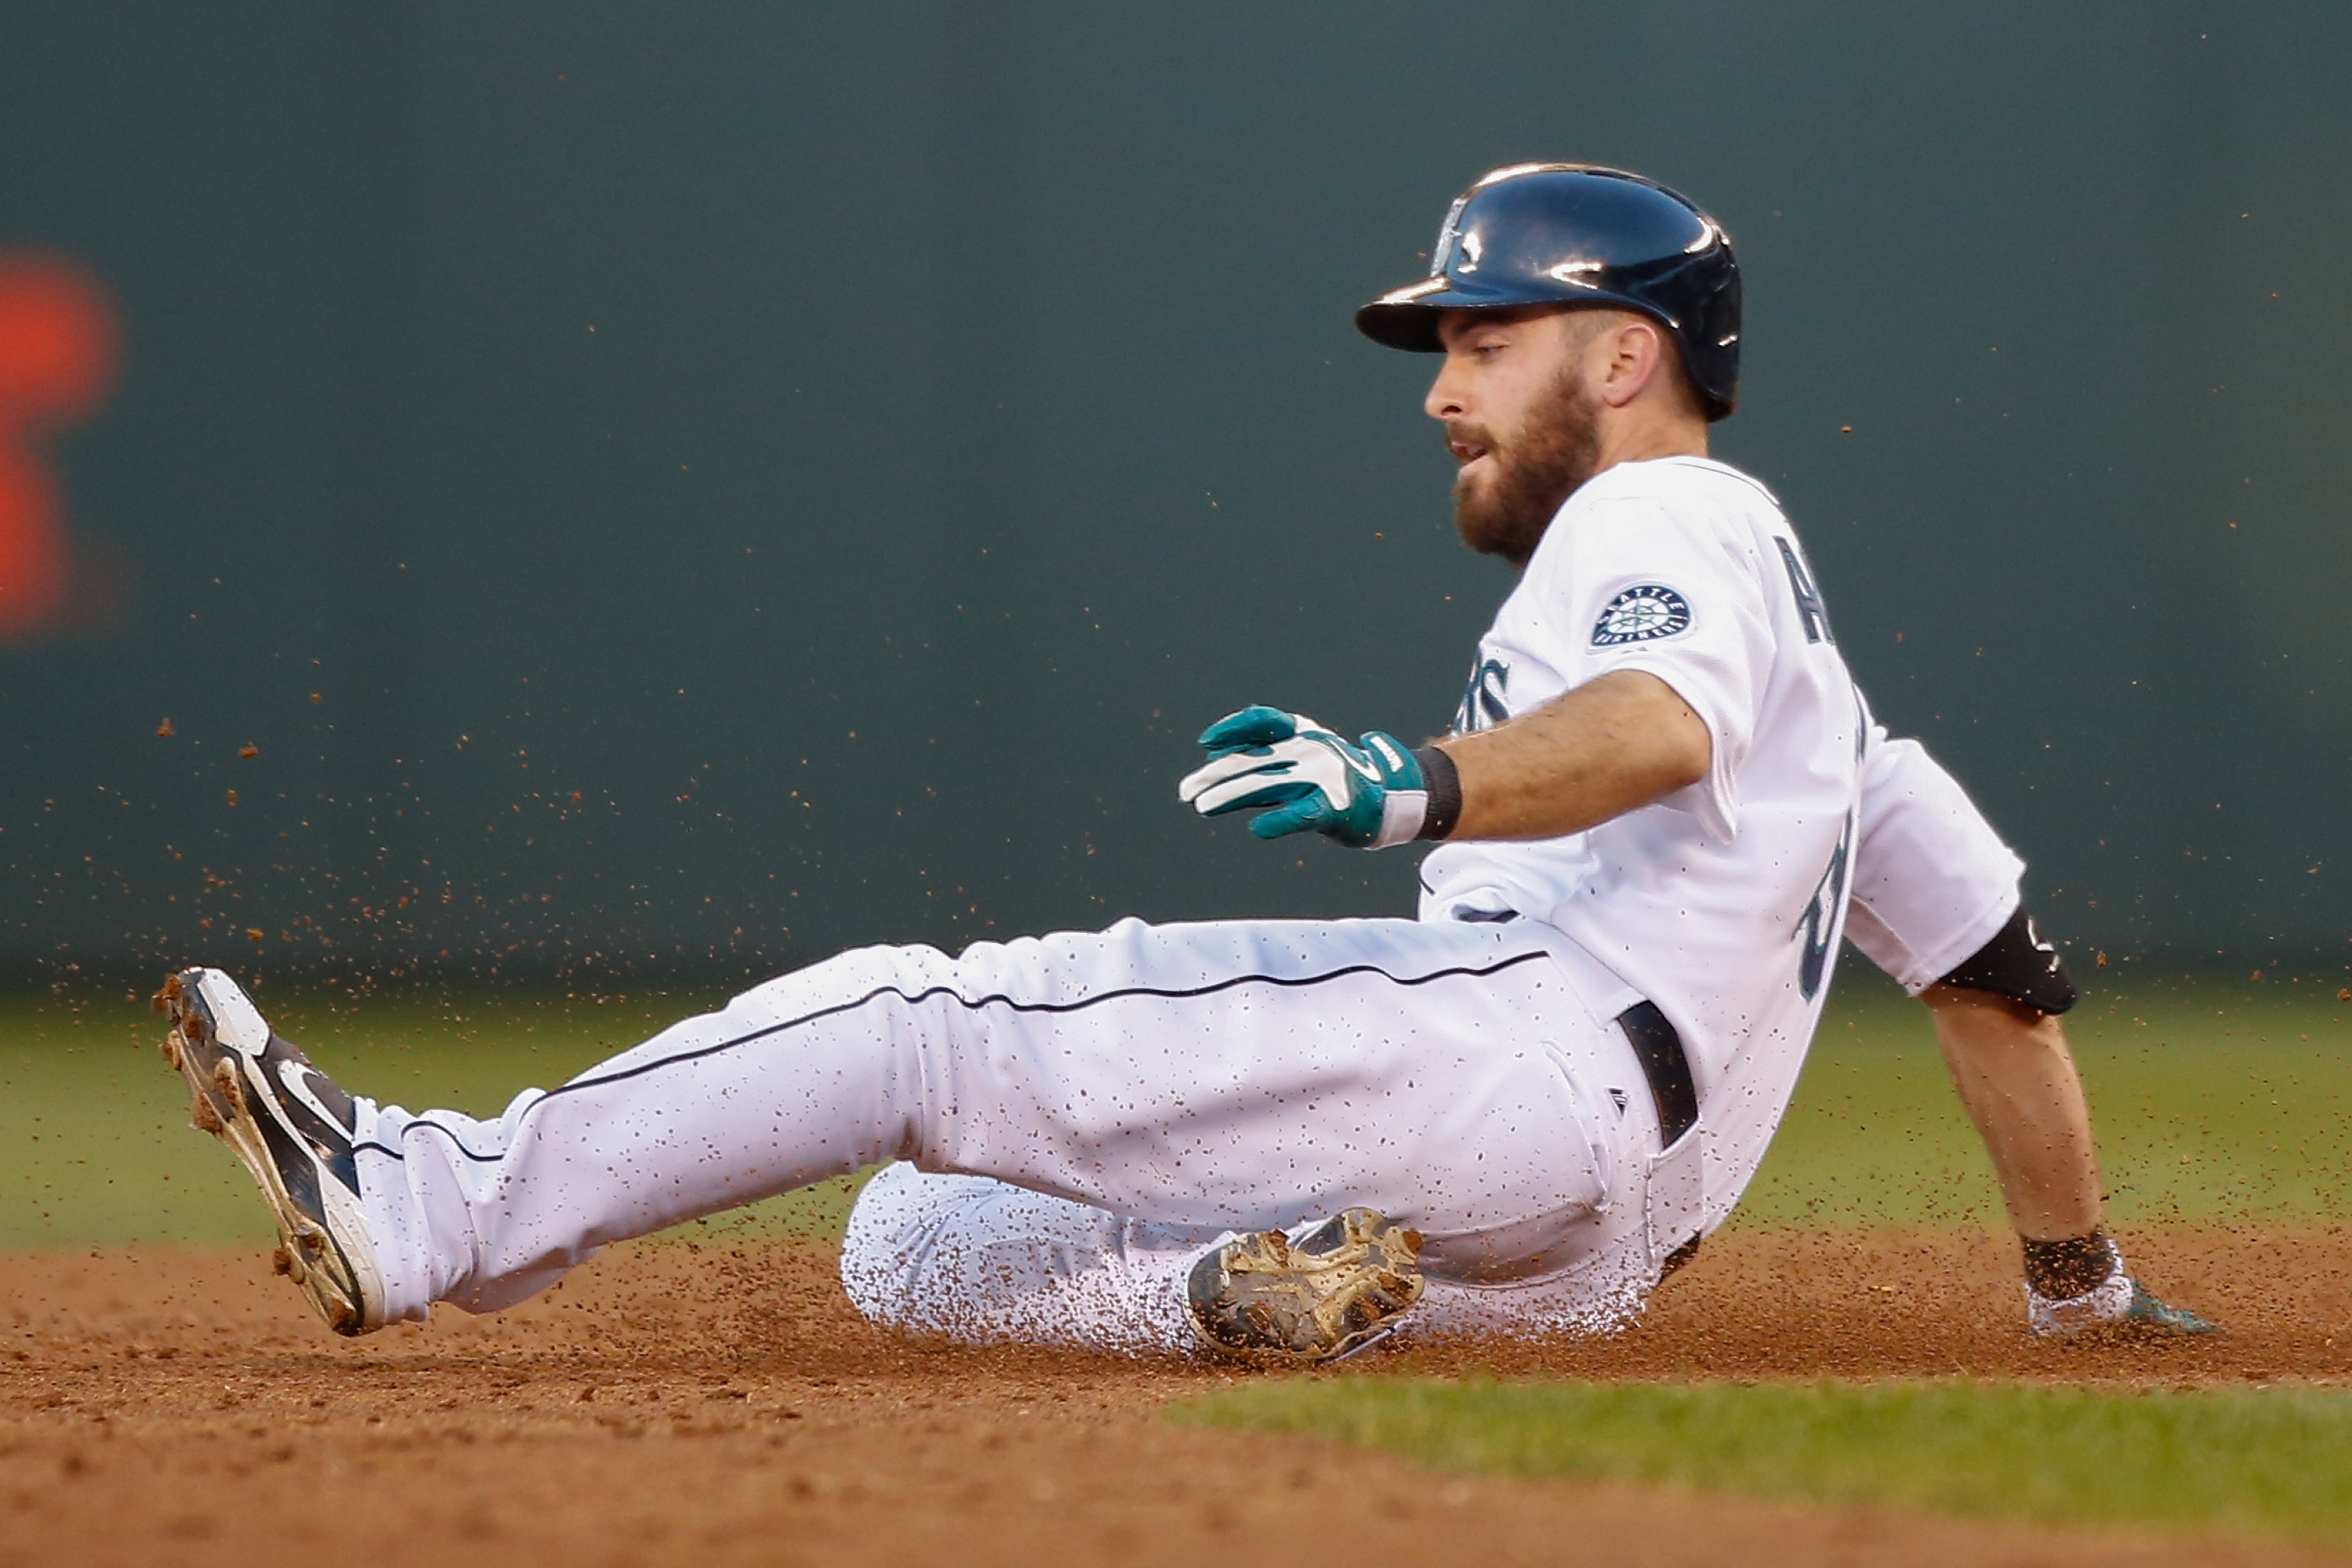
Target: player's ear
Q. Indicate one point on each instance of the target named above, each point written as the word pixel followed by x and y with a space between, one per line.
pixel 1636 351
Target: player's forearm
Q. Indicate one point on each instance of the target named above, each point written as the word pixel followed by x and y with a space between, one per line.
pixel 1603 749
pixel 2015 1075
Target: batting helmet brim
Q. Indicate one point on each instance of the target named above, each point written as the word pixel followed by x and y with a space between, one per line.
pixel 1407 318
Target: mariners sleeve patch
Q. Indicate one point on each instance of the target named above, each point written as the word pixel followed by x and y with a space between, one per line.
pixel 1643 612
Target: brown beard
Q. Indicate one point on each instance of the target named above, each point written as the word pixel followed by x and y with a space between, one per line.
pixel 1558 452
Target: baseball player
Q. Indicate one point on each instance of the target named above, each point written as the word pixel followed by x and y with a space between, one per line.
pixel 1660 806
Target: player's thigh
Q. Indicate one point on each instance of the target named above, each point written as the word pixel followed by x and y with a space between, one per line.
pixel 1252 1072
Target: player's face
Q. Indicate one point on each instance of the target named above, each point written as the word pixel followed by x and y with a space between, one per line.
pixel 1520 419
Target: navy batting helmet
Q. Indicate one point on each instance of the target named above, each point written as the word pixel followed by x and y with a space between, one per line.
pixel 1573 234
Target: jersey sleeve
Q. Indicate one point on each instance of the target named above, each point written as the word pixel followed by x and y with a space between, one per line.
pixel 1932 881
pixel 1666 590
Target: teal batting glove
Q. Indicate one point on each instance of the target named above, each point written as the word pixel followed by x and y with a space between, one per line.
pixel 1300 776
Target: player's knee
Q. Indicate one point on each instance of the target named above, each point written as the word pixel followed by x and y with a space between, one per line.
pixel 2020 966
pixel 917 1241
pixel 909 970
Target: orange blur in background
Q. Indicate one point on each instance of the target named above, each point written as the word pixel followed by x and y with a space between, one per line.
pixel 59 349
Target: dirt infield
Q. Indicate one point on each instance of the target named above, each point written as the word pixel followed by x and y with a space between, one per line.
pixel 725 1405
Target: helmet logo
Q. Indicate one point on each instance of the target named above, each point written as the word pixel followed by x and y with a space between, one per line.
pixel 1473 247
pixel 1447 234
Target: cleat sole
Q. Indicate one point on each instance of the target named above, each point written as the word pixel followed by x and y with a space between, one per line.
pixel 220 1107
pixel 1333 1292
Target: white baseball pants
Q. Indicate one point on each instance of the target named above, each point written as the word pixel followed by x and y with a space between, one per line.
pixel 1134 1095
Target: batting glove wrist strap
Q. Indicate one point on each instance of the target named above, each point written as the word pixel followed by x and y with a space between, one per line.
pixel 1299 776
pixel 1444 790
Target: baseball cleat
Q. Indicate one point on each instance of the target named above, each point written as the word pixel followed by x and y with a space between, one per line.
pixel 292 1126
pixel 2119 1307
pixel 1328 1292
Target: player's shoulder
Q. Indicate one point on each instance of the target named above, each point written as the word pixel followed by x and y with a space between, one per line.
pixel 1682 483
pixel 1637 506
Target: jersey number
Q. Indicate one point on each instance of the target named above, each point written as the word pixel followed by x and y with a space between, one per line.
pixel 1815 615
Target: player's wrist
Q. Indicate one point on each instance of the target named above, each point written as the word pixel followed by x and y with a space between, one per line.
pixel 1442 794
pixel 1420 794
pixel 1400 796
pixel 1421 800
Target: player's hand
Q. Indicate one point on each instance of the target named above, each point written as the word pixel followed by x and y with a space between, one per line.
pixel 1299 775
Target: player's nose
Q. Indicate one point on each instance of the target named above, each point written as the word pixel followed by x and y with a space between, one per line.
pixel 1447 401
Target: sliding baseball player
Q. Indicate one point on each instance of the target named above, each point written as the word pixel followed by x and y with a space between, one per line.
pixel 1661 806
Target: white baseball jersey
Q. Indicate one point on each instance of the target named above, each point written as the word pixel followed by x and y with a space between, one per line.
pixel 1079 1115
pixel 1722 903
pixel 1932 882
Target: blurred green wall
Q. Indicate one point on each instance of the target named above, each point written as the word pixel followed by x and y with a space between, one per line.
pixel 744 480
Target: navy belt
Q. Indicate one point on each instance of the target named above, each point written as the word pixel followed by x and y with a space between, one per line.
pixel 1667 1066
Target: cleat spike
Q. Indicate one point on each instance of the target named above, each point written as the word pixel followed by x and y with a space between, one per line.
pixel 231 1087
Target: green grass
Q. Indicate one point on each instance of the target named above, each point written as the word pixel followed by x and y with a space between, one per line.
pixel 95 1146
pixel 2240 1461
pixel 2215 1105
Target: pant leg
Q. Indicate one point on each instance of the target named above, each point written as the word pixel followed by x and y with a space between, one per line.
pixel 980 1260
pixel 1239 1075
pixel 1600 1286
